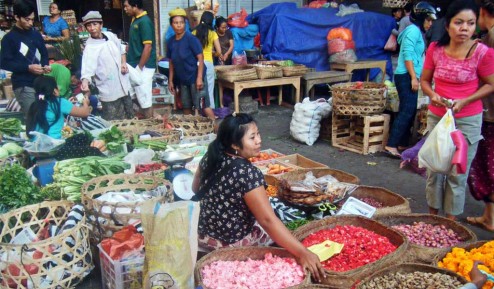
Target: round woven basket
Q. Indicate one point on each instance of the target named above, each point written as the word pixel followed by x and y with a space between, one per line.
pixel 395 3
pixel 341 176
pixel 167 135
pixel 191 125
pixel 423 254
pixel 408 268
pixel 346 279
pixel 296 70
pixel 241 254
pixel 109 217
pixel 61 261
pixel 129 127
pixel 467 246
pixel 348 100
pixel 232 73
pixel 265 72
pixel 393 203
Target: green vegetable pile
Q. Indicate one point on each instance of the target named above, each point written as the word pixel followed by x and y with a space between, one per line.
pixel 10 126
pixel 16 188
pixel 296 223
pixel 10 149
pixel 114 139
pixel 155 145
pixel 286 63
pixel 69 175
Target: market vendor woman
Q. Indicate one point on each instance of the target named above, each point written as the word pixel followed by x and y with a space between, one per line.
pixel 235 210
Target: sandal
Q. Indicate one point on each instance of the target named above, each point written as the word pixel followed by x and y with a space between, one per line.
pixel 392 154
pixel 478 222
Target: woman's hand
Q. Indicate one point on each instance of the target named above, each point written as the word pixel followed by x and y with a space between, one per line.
pixel 124 68
pixel 415 84
pixel 85 85
pixel 458 105
pixel 436 101
pixel 310 261
pixel 199 84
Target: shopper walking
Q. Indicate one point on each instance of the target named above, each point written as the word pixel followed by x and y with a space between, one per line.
pixel 141 52
pixel 407 74
pixel 481 179
pixel 463 72
pixel 104 61
pixel 24 53
pixel 225 37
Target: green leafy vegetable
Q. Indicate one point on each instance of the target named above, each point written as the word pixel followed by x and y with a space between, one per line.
pixel 114 139
pixel 12 148
pixel 10 126
pixel 16 187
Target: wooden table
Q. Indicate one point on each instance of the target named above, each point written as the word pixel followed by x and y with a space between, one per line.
pixel 238 86
pixel 363 64
pixel 318 77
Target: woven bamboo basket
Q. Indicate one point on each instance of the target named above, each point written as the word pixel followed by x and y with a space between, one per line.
pixel 296 70
pixel 395 3
pixel 191 125
pixel 467 246
pixel 232 73
pixel 423 254
pixel 347 100
pixel 129 127
pixel 393 203
pixel 346 279
pixel 109 217
pixel 409 268
pixel 265 72
pixel 167 135
pixel 241 254
pixel 47 260
pixel 341 176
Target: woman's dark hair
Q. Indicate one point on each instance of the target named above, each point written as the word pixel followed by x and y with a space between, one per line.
pixel 44 87
pixel 220 20
pixel 23 8
pixel 488 5
pixel 171 18
pixel 454 8
pixel 202 30
pixel 231 131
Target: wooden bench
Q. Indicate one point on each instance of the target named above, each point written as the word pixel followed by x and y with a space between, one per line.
pixel 318 77
pixel 348 67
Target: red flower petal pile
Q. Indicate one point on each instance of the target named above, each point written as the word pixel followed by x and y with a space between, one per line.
pixel 361 247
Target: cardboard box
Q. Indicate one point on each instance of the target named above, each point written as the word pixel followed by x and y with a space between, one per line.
pixel 301 161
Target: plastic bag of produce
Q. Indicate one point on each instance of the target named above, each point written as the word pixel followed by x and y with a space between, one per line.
pixel 170 236
pixel 43 145
pixel 438 150
pixel 306 119
pixel 344 56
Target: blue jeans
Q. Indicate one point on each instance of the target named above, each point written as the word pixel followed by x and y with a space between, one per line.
pixel 400 131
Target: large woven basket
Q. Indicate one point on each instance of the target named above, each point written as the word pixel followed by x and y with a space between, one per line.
pixel 241 254
pixel 296 70
pixel 63 260
pixel 167 135
pixel 265 72
pixel 346 279
pixel 392 202
pixel 232 73
pixel 395 3
pixel 423 254
pixel 348 100
pixel 105 223
pixel 341 176
pixel 467 246
pixel 129 127
pixel 191 125
pixel 408 268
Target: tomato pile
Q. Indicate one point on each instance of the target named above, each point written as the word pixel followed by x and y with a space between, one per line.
pixel 149 168
pixel 361 247
pixel 264 156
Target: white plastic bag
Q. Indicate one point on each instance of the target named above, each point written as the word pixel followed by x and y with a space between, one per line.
pixel 135 76
pixel 438 150
pixel 306 119
pixel 43 145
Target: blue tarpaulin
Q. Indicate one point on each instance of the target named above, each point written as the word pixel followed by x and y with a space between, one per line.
pixel 244 37
pixel 299 34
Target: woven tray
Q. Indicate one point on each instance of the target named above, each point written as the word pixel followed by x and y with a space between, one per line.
pixel 104 224
pixel 169 136
pixel 408 268
pixel 423 254
pixel 467 246
pixel 265 72
pixel 296 70
pixel 191 125
pixel 346 279
pixel 35 217
pixel 347 100
pixel 240 254
pixel 232 73
pixel 339 175
pixel 395 3
pixel 393 203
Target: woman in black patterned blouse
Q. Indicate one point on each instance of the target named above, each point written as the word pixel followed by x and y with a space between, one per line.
pixel 235 210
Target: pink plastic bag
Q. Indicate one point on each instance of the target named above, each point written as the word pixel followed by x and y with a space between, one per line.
pixel 238 19
pixel 460 158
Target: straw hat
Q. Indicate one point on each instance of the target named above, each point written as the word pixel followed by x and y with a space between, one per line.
pixel 177 12
pixel 92 16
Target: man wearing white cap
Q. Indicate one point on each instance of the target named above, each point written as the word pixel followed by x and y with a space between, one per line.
pixel 104 61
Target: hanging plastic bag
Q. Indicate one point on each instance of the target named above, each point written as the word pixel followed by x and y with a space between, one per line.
pixel 239 58
pixel 437 152
pixel 238 19
pixel 391 44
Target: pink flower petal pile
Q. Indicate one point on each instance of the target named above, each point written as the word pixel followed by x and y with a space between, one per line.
pixel 271 273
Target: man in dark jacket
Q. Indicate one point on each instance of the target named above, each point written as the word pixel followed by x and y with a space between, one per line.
pixel 24 54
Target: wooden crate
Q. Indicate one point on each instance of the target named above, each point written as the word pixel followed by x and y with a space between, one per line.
pixel 360 134
pixel 325 131
pixel 301 161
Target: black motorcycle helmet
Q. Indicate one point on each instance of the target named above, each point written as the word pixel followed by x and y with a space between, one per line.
pixel 422 11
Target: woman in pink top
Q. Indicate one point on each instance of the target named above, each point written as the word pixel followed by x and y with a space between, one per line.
pixel 457 64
